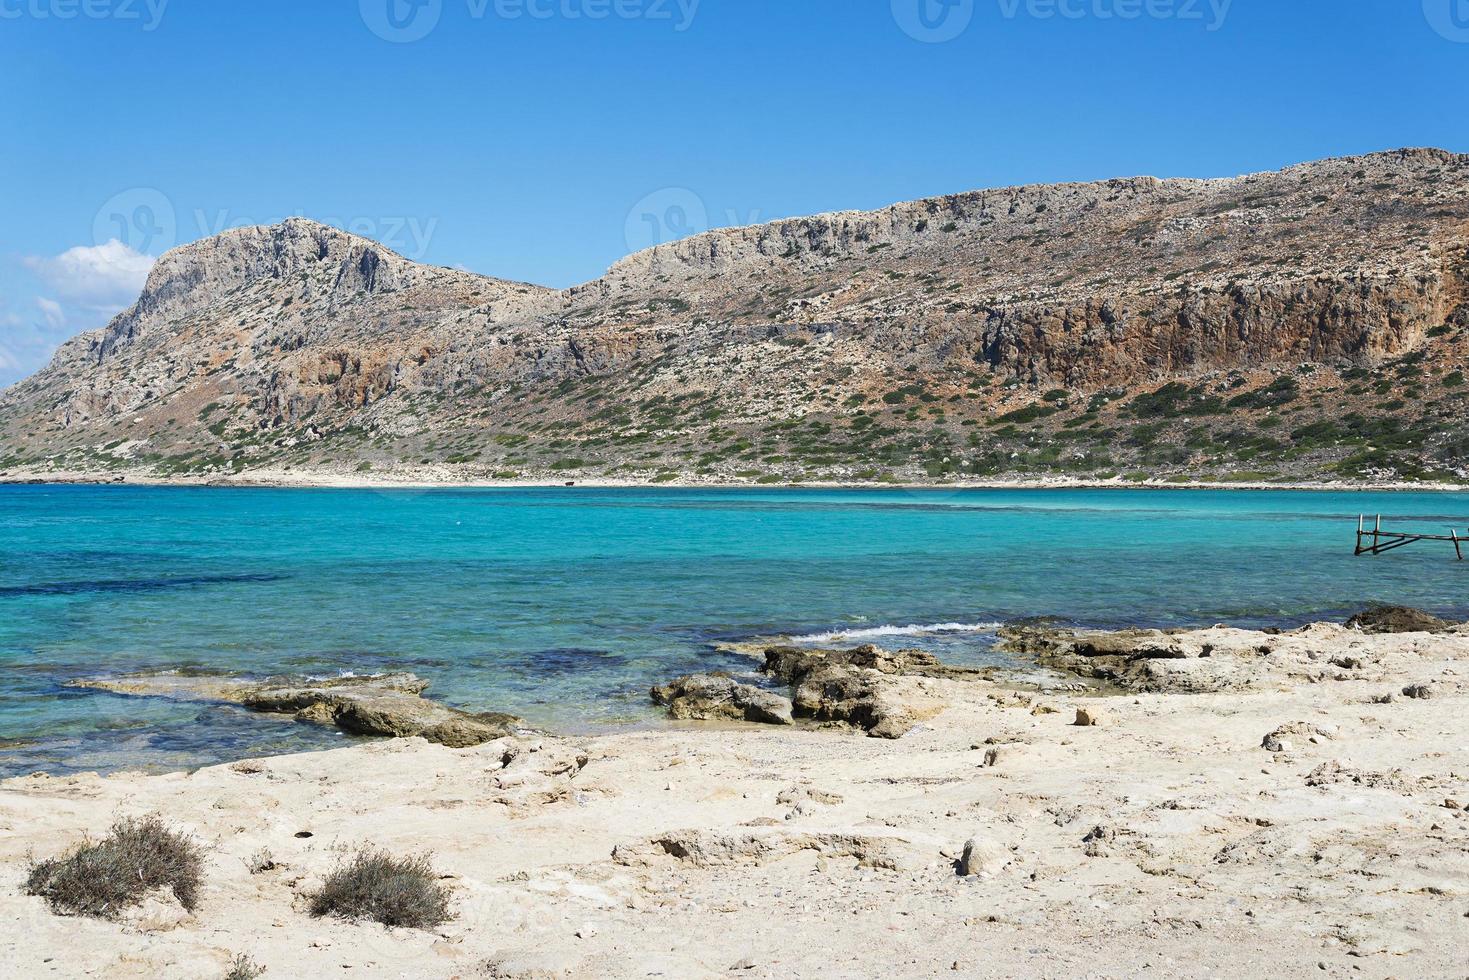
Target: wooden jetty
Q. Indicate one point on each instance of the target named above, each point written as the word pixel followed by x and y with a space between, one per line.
pixel 1376 541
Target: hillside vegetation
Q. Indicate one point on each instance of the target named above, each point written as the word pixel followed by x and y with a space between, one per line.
pixel 1301 325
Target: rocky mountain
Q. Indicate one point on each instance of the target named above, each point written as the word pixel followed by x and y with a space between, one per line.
pixel 1308 323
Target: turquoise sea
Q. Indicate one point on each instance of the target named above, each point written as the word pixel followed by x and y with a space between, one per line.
pixel 564 605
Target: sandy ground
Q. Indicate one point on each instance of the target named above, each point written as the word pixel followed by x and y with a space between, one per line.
pixel 1167 841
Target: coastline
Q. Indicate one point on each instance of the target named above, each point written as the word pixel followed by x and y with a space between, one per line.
pixel 356 481
pixel 1109 849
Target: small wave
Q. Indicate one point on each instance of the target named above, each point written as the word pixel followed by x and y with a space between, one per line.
pixel 874 632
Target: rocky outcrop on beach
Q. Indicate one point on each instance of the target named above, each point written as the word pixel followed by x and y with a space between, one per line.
pixel 704 850
pixel 854 687
pixel 712 697
pixel 1299 809
pixel 385 705
pixel 1222 658
pixel 862 688
pixel 1094 330
pixel 1398 619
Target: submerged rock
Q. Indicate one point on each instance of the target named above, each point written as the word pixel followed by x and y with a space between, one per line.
pixel 387 705
pixel 711 697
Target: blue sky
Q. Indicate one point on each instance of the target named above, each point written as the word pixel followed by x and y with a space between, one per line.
pixel 543 139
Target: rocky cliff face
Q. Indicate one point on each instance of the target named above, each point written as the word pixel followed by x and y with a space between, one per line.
pixel 947 337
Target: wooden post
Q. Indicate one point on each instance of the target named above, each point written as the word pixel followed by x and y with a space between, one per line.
pixel 1458 548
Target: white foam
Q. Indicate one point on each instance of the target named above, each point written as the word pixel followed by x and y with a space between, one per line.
pixel 874 632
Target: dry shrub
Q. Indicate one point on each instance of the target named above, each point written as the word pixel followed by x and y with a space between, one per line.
pixel 244 968
pixel 394 891
pixel 261 861
pixel 101 878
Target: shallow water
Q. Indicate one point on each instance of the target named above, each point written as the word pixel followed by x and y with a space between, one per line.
pixel 565 605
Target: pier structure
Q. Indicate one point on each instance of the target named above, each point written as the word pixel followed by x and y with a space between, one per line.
pixel 1376 541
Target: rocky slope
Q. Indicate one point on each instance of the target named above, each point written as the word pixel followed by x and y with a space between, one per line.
pixel 1302 324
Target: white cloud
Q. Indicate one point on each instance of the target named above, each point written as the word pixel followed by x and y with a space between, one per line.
pixel 27 340
pixel 98 278
pixel 51 310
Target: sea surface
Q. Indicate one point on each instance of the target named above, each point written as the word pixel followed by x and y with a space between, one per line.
pixel 565 605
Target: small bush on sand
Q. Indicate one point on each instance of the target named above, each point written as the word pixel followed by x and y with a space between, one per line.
pixel 394 891
pixel 261 861
pixel 244 968
pixel 104 877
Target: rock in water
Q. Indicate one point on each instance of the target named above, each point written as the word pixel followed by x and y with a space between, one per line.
pixel 1398 619
pixel 390 705
pixel 711 697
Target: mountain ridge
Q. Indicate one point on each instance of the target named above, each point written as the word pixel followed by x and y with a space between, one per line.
pixel 299 345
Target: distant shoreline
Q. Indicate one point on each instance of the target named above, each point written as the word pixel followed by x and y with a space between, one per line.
pixel 338 481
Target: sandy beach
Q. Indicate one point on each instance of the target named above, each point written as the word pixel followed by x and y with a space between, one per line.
pixel 1244 803
pixel 451 478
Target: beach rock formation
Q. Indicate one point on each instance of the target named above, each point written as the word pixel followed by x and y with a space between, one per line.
pixel 1135 658
pixel 706 849
pixel 1300 822
pixel 711 697
pixel 789 663
pixel 981 856
pixel 844 694
pixel 855 687
pixel 1221 658
pixel 1398 619
pixel 861 687
pixel 387 705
